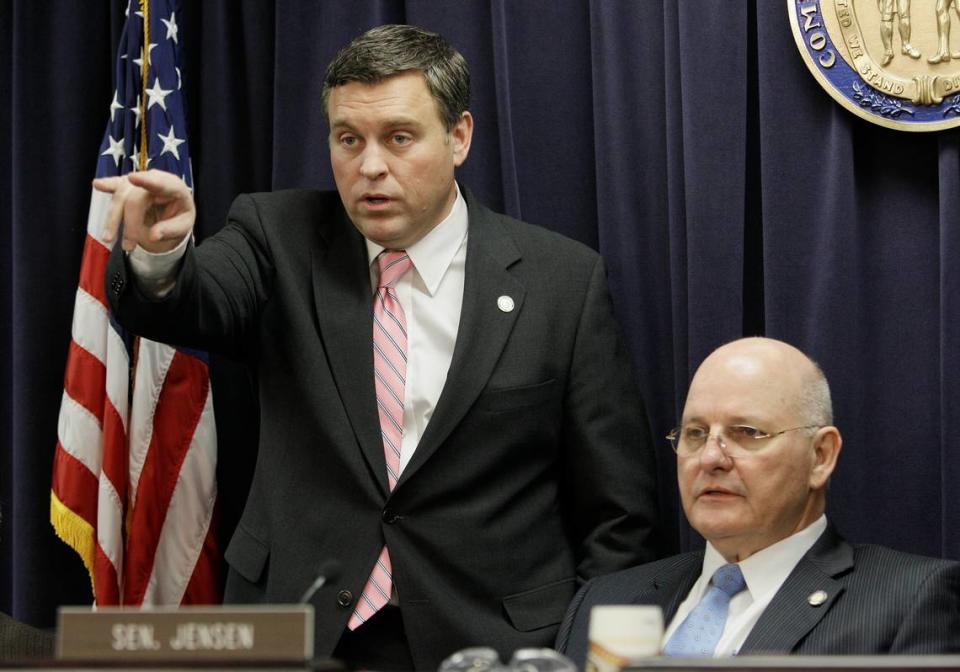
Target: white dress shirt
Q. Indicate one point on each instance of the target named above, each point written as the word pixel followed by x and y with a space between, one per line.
pixel 765 572
pixel 431 294
pixel 156 272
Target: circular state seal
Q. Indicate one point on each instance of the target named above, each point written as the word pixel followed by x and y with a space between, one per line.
pixel 890 62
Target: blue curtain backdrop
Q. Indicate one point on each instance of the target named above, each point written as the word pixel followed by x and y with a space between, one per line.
pixel 684 140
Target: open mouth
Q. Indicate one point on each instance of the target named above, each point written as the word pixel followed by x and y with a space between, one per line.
pixel 375 199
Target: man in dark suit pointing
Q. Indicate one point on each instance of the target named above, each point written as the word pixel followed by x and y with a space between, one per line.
pixel 755 450
pixel 446 406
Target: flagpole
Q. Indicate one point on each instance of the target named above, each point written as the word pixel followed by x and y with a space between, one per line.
pixel 142 157
pixel 144 75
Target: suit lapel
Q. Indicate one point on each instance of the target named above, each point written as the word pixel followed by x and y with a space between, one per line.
pixel 670 587
pixel 484 327
pixel 344 302
pixel 797 607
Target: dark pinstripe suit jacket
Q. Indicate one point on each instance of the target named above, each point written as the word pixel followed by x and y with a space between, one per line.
pixel 878 601
pixel 19 641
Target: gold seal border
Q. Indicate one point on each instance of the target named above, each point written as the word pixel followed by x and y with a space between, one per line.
pixel 828 86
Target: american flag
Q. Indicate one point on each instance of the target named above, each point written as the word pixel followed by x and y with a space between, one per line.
pixel 134 474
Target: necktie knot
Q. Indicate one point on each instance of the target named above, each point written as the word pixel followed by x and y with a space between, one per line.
pixel 729 579
pixel 391 264
pixel 700 631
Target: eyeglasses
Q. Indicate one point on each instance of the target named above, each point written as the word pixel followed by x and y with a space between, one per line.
pixel 733 439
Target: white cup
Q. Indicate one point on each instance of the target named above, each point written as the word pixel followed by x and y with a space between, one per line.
pixel 626 630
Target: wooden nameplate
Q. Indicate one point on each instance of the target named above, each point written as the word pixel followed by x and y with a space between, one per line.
pixel 267 633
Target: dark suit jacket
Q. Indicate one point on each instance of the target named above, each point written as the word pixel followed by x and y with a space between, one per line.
pixel 536 469
pixel 878 601
pixel 19 641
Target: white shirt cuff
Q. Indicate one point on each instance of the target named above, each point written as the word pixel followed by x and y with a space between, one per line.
pixel 156 272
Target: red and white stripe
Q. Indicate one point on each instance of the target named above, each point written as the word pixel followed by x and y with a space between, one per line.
pixel 139 512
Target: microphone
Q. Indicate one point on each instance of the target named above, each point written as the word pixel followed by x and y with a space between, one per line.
pixel 329 571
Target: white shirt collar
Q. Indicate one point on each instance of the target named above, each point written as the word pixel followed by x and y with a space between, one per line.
pixel 766 570
pixel 432 254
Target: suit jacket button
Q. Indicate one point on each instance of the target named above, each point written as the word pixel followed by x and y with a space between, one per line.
pixel 344 598
pixel 389 517
pixel 116 283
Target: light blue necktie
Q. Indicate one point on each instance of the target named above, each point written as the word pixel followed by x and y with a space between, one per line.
pixel 701 629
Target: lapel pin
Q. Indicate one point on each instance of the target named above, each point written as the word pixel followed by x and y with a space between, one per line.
pixel 817 598
pixel 505 303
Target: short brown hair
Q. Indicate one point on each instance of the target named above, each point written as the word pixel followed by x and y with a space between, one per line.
pixel 392 49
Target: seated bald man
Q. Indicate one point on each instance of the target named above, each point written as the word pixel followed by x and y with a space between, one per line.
pixel 755 450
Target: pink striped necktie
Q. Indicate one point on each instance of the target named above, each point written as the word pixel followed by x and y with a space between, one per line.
pixel 390 373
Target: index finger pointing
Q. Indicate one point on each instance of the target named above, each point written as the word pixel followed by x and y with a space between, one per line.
pixel 107 184
pixel 160 183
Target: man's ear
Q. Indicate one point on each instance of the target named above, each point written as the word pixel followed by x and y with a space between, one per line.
pixel 826 449
pixel 461 136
